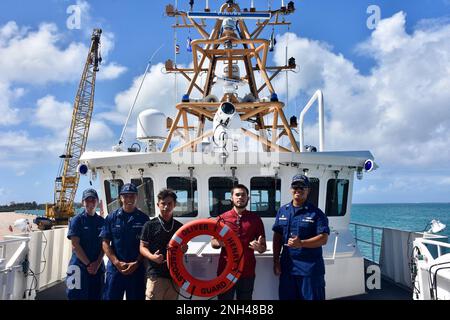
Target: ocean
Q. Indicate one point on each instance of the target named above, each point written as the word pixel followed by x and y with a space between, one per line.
pixel 402 216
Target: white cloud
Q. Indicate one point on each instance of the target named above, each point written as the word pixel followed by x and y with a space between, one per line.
pixel 100 131
pixel 157 92
pixel 89 23
pixel 53 114
pixel 10 31
pixel 18 141
pixel 400 110
pixel 57 116
pixel 36 57
pixel 85 8
pixel 10 114
pixel 370 189
pixel 21 151
pixel 111 71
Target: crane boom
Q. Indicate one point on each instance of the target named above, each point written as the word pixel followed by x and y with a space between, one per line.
pixel 66 182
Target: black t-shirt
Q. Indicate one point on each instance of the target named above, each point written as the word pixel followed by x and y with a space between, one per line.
pixel 158 238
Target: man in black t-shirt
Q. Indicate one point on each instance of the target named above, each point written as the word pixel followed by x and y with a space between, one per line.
pixel 155 237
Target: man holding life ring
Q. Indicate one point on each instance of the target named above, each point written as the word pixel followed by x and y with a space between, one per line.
pixel 250 230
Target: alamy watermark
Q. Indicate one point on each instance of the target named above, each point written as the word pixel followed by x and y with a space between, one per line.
pixel 73 22
pixel 374 18
pixel 238 152
pixel 374 277
pixel 73 280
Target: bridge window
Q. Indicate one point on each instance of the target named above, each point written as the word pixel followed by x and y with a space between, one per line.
pixel 186 190
pixel 112 189
pixel 313 196
pixel 220 194
pixel 337 195
pixel 146 196
pixel 265 195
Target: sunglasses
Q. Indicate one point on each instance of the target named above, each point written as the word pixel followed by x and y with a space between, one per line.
pixel 302 189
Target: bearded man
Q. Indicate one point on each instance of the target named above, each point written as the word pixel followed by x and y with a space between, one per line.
pixel 250 230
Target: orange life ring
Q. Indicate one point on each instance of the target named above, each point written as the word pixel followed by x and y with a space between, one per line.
pixel 232 271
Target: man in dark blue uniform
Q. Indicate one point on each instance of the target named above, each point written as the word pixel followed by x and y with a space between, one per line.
pixel 86 271
pixel 121 237
pixel 300 231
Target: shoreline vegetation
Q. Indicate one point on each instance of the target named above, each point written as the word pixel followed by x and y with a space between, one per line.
pixel 13 206
pixel 22 206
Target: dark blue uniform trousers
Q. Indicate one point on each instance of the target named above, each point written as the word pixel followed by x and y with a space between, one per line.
pixel 117 284
pixel 301 287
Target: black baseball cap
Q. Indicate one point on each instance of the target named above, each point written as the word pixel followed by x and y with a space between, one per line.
pixel 129 188
pixel 300 181
pixel 89 193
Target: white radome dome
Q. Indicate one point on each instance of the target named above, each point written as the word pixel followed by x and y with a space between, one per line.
pixel 151 125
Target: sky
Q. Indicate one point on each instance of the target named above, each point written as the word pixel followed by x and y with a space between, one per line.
pixel 384 68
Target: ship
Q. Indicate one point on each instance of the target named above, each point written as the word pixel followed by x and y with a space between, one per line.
pixel 231 128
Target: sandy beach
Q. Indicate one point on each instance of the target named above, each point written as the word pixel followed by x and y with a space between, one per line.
pixel 8 218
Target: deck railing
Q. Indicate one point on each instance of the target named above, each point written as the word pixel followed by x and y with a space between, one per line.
pixel 12 251
pixel 42 255
pixel 438 244
pixel 373 243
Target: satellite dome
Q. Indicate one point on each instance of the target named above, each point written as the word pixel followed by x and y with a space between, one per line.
pixel 151 125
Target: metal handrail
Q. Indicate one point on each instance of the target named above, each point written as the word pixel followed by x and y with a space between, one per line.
pixel 11 265
pixel 9 240
pixel 318 95
pixel 12 239
pixel 372 242
pixel 438 244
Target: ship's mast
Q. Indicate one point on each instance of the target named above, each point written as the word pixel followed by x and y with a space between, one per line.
pixel 230 41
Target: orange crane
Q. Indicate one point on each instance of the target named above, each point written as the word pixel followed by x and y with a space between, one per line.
pixel 66 182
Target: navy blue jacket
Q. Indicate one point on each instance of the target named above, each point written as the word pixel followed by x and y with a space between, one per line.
pixel 305 222
pixel 124 230
pixel 88 229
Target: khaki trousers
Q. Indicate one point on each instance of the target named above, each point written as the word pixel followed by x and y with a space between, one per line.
pixel 159 288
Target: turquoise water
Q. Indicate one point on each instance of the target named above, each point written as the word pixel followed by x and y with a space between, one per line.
pixel 40 213
pixel 404 216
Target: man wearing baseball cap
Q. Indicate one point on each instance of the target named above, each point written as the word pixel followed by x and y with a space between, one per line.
pixel 125 273
pixel 300 231
pixel 86 271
